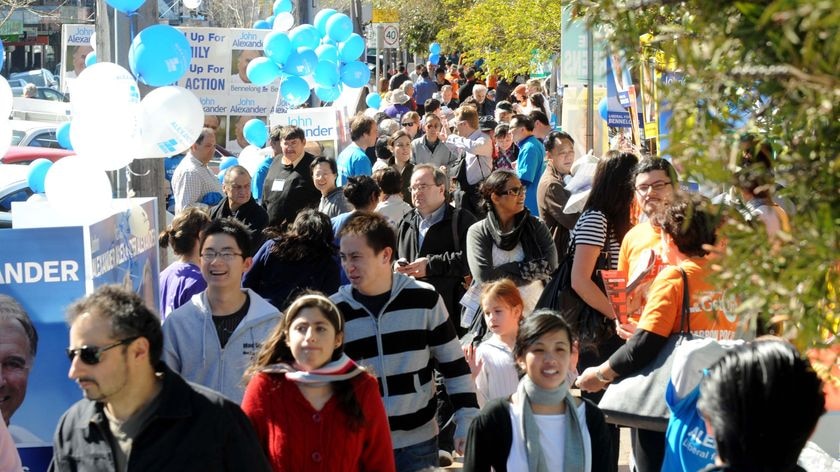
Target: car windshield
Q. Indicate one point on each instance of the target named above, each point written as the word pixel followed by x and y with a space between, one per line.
pixel 36 78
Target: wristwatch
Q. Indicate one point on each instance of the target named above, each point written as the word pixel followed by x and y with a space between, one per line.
pixel 600 377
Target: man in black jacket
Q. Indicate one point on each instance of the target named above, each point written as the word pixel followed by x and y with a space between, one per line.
pixel 432 239
pixel 240 204
pixel 137 414
pixel 288 187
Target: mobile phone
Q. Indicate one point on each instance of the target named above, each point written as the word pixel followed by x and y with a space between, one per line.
pixel 402 262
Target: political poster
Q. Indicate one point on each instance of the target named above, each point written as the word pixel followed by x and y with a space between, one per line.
pixel 574 119
pixel 43 270
pixel 574 45
pixel 75 46
pixel 622 104
pixel 319 124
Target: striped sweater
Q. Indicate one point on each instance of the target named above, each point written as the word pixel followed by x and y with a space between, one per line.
pixel 398 346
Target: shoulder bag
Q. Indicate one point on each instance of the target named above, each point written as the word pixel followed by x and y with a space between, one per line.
pixel 638 401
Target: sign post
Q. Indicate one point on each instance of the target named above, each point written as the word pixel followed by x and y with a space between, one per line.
pixel 381 19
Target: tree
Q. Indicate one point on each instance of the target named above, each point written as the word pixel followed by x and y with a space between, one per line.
pixel 420 22
pixel 768 67
pixel 236 13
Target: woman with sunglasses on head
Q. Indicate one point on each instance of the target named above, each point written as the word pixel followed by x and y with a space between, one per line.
pixel 410 123
pixel 541 427
pixel 314 408
pixel 510 242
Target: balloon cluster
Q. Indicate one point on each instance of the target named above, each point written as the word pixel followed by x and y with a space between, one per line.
pixel 111 126
pixel 322 56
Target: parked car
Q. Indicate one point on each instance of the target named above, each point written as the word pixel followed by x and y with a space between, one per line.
pixel 13 188
pixel 39 77
pixel 44 93
pixel 34 133
pixel 26 154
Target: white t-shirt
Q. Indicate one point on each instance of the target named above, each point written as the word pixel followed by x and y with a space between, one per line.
pixel 498 377
pixel 552 438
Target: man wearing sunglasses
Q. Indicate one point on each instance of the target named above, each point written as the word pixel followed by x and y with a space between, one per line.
pixel 137 414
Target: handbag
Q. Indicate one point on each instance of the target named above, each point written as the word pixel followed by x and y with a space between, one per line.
pixel 590 325
pixel 638 400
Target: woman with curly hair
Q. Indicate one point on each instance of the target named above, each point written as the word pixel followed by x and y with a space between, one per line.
pixel 314 408
pixel 301 258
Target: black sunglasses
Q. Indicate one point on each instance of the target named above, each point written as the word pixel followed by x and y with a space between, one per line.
pixel 90 355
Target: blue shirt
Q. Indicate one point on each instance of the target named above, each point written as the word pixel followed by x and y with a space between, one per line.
pixel 259 178
pixel 351 162
pixel 530 165
pixel 423 90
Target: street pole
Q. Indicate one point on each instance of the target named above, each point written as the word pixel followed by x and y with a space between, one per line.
pixel 590 90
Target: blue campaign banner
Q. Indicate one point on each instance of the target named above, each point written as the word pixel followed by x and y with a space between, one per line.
pixel 43 269
pixel 618 97
pixel 124 250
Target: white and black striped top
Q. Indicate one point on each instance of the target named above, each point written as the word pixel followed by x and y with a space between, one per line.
pixel 591 229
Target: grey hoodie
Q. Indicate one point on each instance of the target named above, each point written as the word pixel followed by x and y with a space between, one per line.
pixel 191 346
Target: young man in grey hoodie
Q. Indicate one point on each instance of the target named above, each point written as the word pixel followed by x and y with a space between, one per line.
pixel 212 339
pixel 396 326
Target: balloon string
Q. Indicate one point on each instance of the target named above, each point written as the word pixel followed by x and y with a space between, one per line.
pixel 131 27
pixel 128 169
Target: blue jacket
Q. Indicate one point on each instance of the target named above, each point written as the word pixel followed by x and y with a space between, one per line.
pixel 530 166
pixel 424 89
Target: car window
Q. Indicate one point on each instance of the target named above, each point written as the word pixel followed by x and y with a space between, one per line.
pixel 51 95
pixel 17 136
pixel 17 196
pixel 45 139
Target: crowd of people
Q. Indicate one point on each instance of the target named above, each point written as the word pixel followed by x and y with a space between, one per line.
pixel 381 311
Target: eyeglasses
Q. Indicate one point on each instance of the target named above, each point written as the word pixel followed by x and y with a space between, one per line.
pixel 210 256
pixel 420 187
pixel 515 191
pixel 410 123
pixel 91 355
pixel 656 186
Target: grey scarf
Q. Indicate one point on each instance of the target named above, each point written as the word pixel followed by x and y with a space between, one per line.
pixel 574 459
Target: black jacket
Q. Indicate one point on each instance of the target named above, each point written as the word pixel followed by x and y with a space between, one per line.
pixel 193 429
pixel 251 213
pixel 447 255
pixel 491 434
pixel 289 190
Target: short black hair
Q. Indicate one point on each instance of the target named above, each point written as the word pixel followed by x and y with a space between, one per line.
pixel 382 148
pixel 504 105
pixel 324 160
pixel 650 164
pixel 522 120
pixel 128 315
pixel 389 180
pixel 539 323
pixel 375 228
pixel 431 105
pixel 231 227
pixel 279 133
pixel 550 141
pixel 537 115
pixel 360 190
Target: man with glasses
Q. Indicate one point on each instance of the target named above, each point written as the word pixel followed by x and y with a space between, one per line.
pixel 551 192
pixel 212 339
pixel 240 204
pixel 137 414
pixel 530 164
pixel 654 180
pixel 288 187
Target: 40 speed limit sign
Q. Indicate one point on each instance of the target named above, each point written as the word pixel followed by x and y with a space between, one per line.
pixel 390 35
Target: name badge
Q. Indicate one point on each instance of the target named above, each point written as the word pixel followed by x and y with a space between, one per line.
pixel 278 185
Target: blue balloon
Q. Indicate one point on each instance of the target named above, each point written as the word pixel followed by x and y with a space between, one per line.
pixel 255 132
pixel 328 94
pixel 339 27
pixel 602 108
pixel 351 49
pixel 262 71
pixel 301 62
pixel 305 36
pixel 2 54
pixel 90 59
pixel 355 74
pixel 327 52
pixel 159 55
pixel 326 74
pixel 294 90
pixel 282 6
pixel 373 100
pixel 262 24
pixel 277 47
pixel 434 59
pixel 228 162
pixel 126 6
pixel 321 19
pixel 270 19
pixel 37 174
pixel 434 48
pixel 62 135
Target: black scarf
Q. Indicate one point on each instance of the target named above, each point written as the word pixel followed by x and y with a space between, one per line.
pixel 509 240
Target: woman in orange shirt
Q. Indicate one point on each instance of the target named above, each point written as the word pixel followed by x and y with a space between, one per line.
pixel 690 228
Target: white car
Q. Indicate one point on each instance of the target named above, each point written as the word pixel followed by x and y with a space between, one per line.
pixel 34 133
pixel 13 188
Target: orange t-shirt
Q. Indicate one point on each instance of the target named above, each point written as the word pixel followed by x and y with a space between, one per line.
pixel 710 315
pixel 640 238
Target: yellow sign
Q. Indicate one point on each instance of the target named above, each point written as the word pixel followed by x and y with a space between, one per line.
pixel 385 15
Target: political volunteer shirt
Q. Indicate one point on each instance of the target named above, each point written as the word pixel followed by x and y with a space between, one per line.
pixel 289 189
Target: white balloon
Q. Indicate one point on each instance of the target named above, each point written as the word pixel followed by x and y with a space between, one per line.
pixel 105 104
pixel 251 157
pixel 283 21
pixel 6 99
pixel 5 136
pixel 172 120
pixel 192 4
pixel 76 187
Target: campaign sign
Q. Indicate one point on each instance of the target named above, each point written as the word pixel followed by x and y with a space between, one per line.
pixel 43 270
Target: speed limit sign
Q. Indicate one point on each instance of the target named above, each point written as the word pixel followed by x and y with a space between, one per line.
pixel 390 35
